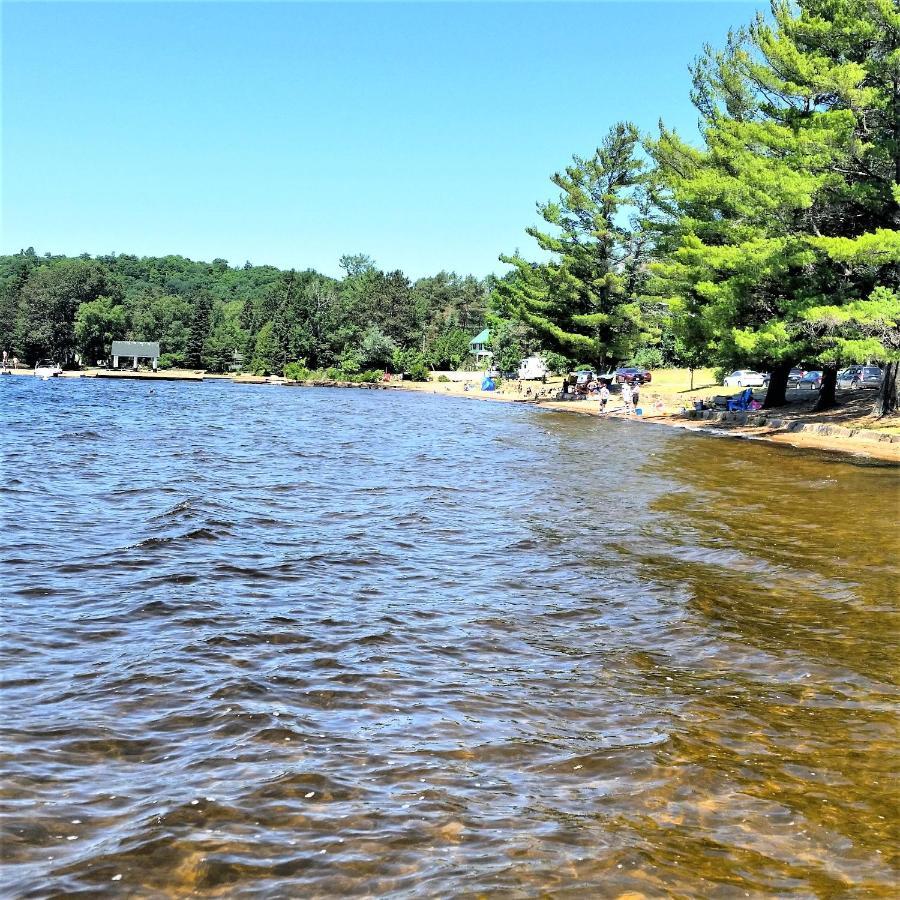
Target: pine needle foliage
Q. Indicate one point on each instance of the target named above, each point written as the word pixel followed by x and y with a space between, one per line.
pixel 585 301
pixel 790 211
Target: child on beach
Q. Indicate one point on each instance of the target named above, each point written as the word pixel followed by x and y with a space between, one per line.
pixel 627 398
pixel 604 398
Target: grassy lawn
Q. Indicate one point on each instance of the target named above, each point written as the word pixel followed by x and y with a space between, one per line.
pixel 678 382
pixel 853 410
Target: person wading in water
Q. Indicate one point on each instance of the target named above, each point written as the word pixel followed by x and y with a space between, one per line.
pixel 604 398
pixel 627 398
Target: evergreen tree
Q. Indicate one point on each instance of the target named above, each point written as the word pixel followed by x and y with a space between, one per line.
pixel 791 207
pixel 265 351
pixel 285 322
pixel 585 302
pixel 861 243
pixel 199 329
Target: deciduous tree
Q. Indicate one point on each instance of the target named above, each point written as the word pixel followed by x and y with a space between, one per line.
pixel 97 324
pixel 48 302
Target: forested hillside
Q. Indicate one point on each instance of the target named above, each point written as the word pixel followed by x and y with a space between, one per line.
pixel 213 316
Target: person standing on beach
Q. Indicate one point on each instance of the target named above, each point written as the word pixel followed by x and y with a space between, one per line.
pixel 627 398
pixel 604 398
pixel 636 391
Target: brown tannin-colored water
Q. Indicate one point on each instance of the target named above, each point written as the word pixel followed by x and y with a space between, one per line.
pixel 271 642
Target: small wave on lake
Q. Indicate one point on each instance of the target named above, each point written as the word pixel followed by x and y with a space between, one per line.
pixel 278 642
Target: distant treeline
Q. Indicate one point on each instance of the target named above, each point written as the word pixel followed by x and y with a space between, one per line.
pixel 261 319
pixel 216 317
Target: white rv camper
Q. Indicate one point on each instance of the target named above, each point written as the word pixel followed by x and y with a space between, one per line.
pixel 532 368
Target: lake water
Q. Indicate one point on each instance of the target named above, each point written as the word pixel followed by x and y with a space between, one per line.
pixel 272 642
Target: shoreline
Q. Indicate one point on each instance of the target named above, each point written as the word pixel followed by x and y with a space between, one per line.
pixel 762 426
pixel 869 445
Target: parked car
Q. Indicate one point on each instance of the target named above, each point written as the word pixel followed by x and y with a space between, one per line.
pixel 872 375
pixel 811 380
pixel 632 374
pixel 746 378
pixel 859 376
pixel 795 375
pixel 584 377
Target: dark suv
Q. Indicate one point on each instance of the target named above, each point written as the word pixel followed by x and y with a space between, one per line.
pixel 632 374
pixel 871 375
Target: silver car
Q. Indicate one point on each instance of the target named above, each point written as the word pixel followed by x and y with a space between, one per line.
pixel 858 377
pixel 746 378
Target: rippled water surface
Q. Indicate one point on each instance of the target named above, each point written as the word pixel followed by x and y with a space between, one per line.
pixel 272 642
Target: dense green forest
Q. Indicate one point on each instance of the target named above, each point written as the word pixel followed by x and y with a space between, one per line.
pixel 775 242
pixel 259 318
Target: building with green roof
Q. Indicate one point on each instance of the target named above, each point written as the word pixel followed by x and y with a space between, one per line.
pixel 478 346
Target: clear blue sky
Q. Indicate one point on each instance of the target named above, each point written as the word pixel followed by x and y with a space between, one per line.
pixel 291 133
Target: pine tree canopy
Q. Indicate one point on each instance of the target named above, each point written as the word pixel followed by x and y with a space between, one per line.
pixel 585 301
pixel 790 211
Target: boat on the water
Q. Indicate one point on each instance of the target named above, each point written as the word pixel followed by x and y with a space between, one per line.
pixel 46 369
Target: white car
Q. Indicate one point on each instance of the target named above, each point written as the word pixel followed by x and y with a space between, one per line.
pixel 746 378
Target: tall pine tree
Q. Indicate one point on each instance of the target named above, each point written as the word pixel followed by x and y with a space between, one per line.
pixel 585 301
pixel 799 119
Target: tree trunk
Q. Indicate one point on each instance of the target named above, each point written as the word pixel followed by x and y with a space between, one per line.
pixel 776 395
pixel 692 379
pixel 888 401
pixel 827 399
